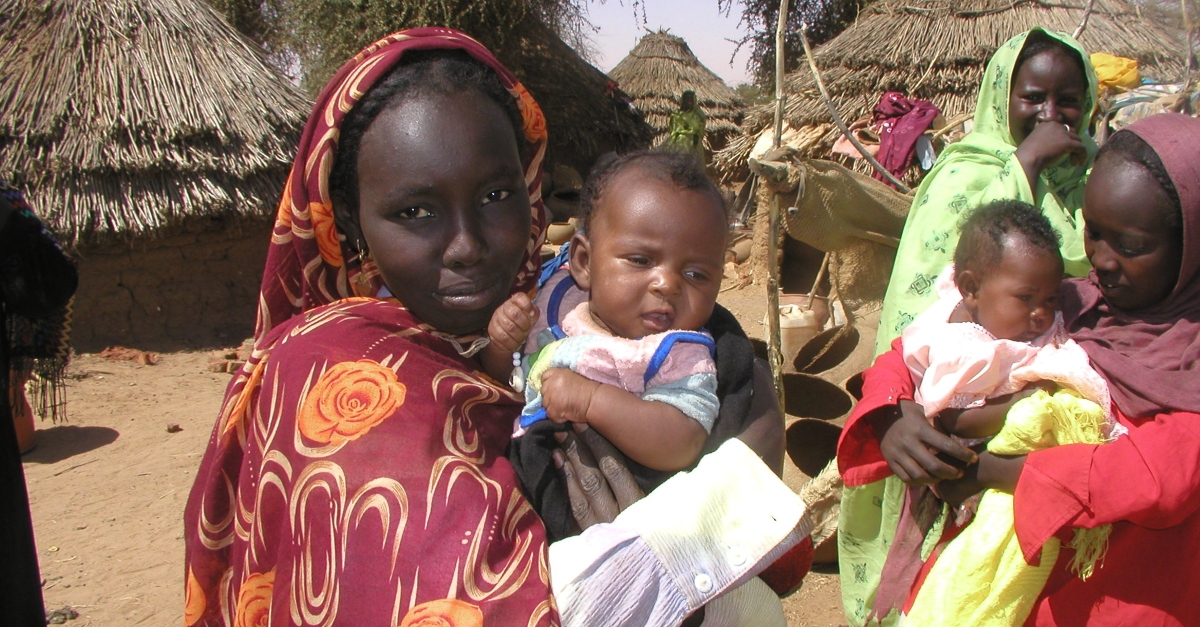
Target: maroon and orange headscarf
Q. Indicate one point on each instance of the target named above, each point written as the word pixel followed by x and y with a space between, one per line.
pixel 358 475
pixel 308 264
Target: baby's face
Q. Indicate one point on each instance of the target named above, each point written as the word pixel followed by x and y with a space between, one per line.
pixel 654 256
pixel 1017 300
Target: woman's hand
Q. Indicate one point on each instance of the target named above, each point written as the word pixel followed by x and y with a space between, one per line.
pixel 599 483
pixel 993 472
pixel 1045 144
pixel 911 445
pixel 567 395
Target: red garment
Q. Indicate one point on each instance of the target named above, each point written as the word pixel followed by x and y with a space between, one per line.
pixel 1147 484
pixel 367 486
pixel 901 122
pixel 355 475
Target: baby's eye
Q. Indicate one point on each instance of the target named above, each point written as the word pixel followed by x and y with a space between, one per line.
pixel 1025 298
pixel 413 213
pixel 696 275
pixel 496 196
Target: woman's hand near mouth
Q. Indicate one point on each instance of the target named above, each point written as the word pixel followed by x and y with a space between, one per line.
pixel 1046 143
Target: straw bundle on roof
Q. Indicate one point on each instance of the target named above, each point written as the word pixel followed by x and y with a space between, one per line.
pixel 936 50
pixel 659 69
pixel 126 116
pixel 584 115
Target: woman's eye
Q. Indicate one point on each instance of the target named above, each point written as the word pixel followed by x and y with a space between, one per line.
pixel 639 261
pixel 496 196
pixel 1033 98
pixel 1130 248
pixel 1092 234
pixel 412 213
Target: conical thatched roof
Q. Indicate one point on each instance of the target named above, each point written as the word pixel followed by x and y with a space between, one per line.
pixel 584 115
pixel 121 117
pixel 659 69
pixel 936 50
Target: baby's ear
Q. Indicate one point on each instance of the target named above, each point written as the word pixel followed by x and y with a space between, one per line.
pixel 580 261
pixel 968 285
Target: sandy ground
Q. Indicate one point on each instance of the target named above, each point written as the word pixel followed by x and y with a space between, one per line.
pixel 109 486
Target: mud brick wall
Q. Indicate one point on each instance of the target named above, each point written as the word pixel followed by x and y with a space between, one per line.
pixel 195 287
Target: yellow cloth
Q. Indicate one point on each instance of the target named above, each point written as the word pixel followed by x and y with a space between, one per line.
pixel 1113 71
pixel 982 578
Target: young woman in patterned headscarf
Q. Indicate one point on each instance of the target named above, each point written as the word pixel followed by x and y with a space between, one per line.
pixel 356 472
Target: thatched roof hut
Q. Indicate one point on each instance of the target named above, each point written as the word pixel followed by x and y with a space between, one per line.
pixel 937 50
pixel 155 141
pixel 659 69
pixel 585 115
pixel 123 117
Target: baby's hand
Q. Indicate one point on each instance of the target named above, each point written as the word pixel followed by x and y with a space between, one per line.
pixel 512 322
pixel 566 395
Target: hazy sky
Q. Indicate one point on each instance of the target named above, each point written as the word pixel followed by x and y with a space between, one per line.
pixel 699 22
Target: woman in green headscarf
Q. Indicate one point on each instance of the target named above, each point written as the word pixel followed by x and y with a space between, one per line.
pixel 1029 143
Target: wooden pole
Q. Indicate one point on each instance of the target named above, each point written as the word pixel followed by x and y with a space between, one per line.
pixel 1087 12
pixel 1187 27
pixel 774 352
pixel 837 118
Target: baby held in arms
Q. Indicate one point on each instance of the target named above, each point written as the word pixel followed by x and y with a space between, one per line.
pixel 996 328
pixel 615 339
pixel 992 362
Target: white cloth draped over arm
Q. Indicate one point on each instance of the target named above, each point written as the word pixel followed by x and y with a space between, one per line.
pixel 700 534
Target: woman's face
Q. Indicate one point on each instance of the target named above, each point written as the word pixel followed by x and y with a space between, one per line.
pixel 1135 252
pixel 1048 88
pixel 443 206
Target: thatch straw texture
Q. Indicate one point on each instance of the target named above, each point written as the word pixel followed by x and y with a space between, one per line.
pixel 659 69
pixel 937 50
pixel 584 116
pixel 123 117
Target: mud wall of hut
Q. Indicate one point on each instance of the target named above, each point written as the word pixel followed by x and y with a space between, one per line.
pixel 196 287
